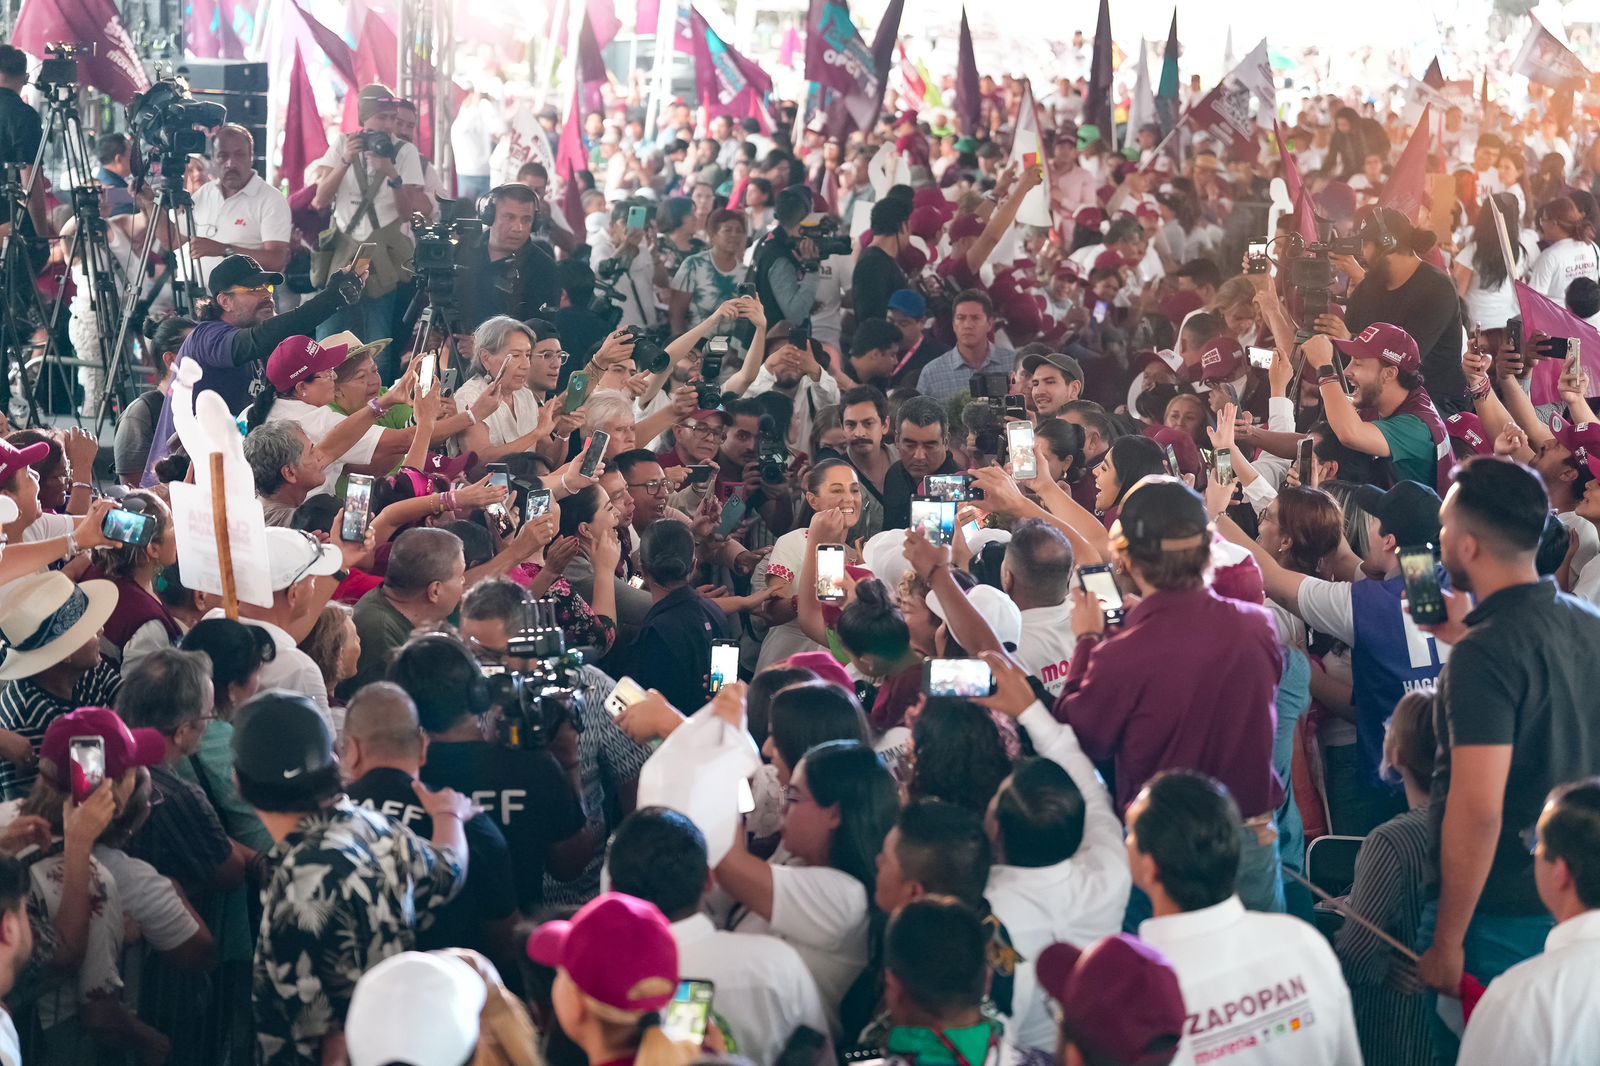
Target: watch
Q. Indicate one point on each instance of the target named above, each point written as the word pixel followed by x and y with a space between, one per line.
pixel 1326 373
pixel 395 183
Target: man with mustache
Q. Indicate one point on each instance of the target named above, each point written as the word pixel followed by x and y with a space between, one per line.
pixel 236 213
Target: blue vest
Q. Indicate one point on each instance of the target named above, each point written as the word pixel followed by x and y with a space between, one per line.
pixel 1390 657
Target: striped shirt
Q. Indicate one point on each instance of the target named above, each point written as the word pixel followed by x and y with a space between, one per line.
pixel 950 374
pixel 27 710
pixel 1393 879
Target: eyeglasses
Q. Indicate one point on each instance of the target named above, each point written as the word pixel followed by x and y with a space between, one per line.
pixel 704 432
pixel 559 356
pixel 316 553
pixel 258 290
pixel 656 487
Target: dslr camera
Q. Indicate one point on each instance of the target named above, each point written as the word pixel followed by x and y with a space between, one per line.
pixel 648 353
pixel 376 142
pixel 774 459
pixel 536 702
pixel 823 230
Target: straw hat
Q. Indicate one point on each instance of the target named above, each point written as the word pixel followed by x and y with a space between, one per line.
pixel 48 618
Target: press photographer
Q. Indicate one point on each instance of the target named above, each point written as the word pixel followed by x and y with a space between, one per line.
pixel 623 256
pixel 786 260
pixel 509 273
pixel 373 183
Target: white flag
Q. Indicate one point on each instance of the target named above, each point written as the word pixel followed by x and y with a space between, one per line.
pixel 1142 108
pixel 1027 149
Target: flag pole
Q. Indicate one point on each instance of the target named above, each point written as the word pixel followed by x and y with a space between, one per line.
pixel 219 526
pixel 661 64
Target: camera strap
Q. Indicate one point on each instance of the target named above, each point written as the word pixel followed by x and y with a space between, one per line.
pixel 369 193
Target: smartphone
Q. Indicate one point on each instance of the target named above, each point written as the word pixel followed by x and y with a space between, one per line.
pixel 1224 466
pixel 1016 406
pixel 830 573
pixel 962 678
pixel 957 488
pixel 699 474
pixel 362 260
pixel 1261 358
pixel 1424 598
pixel 732 514
pixel 638 218
pixel 1172 461
pixel 1101 309
pixel 597 451
pixel 427 372
pixel 626 693
pixel 88 756
pixel 1303 458
pixel 724 663
pixel 537 505
pixel 936 518
pixel 1554 348
pixel 1257 261
pixel 577 390
pixel 636 582
pixel 1101 583
pixel 689 1013
pixel 970 530
pixel 1019 441
pixel 449 377
pixel 128 527
pixel 357 508
pixel 1514 333
pixel 499 476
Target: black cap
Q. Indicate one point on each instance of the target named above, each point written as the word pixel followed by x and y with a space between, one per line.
pixel 1409 512
pixel 872 334
pixel 1060 360
pixel 1163 513
pixel 241 271
pixel 281 740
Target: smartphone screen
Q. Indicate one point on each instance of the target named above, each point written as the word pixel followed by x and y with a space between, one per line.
pixel 953 487
pixel 1303 457
pixel 128 527
pixel 698 475
pixel 1019 441
pixel 689 1013
pixel 1261 358
pixel 626 693
pixel 538 504
pixel 1172 461
pixel 577 390
pixel 936 518
pixel 357 508
pixel 1101 583
pixel 596 452
pixel 88 756
pixel 830 573
pixel 962 678
pixel 1101 309
pixel 426 373
pixel 724 663
pixel 1423 595
pixel 499 476
pixel 1224 466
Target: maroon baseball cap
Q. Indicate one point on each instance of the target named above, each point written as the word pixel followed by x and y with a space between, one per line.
pixel 1089 218
pixel 1575 435
pixel 125 748
pixel 13 458
pixel 1391 344
pixel 1222 360
pixel 963 226
pixel 298 359
pixel 1109 260
pixel 1468 427
pixel 926 222
pixel 1120 1000
pixel 618 950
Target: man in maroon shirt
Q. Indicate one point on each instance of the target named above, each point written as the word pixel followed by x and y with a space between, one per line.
pixel 1188 682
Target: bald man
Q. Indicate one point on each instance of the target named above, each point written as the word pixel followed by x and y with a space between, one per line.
pixel 236 213
pixel 384 748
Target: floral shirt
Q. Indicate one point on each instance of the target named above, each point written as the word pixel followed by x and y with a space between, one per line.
pixel 583 628
pixel 348 889
pixel 708 287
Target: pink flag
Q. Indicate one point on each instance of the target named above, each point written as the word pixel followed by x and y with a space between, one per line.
pixel 209 32
pixel 646 14
pixel 333 46
pixel 790 49
pixel 377 60
pixel 113 66
pixel 1542 315
pixel 603 19
pixel 305 135
pixel 1403 192
pixel 1299 195
pixel 571 158
pixel 726 82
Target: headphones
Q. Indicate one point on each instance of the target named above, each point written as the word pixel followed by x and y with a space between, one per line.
pixel 488 201
pixel 1387 242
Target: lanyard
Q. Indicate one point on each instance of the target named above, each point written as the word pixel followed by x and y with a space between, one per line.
pixel 962 1060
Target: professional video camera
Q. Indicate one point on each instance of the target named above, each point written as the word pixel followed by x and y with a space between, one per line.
pixel 376 142
pixel 823 230
pixel 59 69
pixel 773 457
pixel 171 123
pixel 445 250
pixel 536 702
pixel 1310 276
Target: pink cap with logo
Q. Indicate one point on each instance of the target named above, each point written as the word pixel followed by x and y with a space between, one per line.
pixel 298 359
pixel 1222 360
pixel 618 950
pixel 1390 344
pixel 1468 427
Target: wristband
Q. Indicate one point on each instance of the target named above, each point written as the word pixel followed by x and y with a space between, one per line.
pixel 1480 391
pixel 569 488
pixel 72 544
pixel 472 419
pixel 450 500
pixel 375 407
pixel 76 485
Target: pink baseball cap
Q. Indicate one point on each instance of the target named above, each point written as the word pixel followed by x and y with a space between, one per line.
pixel 1120 999
pixel 825 666
pixel 125 748
pixel 618 950
pixel 1390 344
pixel 1222 360
pixel 926 222
pixel 298 359
pixel 1582 439
pixel 1468 427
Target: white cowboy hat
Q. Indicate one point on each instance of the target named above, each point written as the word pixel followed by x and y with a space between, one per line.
pixel 48 619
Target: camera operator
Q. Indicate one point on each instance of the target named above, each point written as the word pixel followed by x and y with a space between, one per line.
pixel 116 167
pixel 622 255
pixel 20 127
pixel 510 273
pixel 236 213
pixel 785 265
pixel 1401 289
pixel 373 183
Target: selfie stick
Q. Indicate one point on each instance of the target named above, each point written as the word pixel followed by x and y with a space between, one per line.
pixel 219 524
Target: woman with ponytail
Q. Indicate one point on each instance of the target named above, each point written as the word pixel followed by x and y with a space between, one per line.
pixel 1482 275
pixel 616 966
pixel 1573 254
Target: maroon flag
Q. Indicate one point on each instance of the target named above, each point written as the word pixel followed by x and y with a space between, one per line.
pixel 838 59
pixel 591 64
pixel 113 65
pixel 1299 195
pixel 969 87
pixel 1542 315
pixel 208 32
pixel 1434 77
pixel 1098 109
pixel 333 46
pixel 1403 191
pixel 726 82
pixel 305 136
pixel 572 157
pixel 1224 112
pixel 884 44
pixel 377 60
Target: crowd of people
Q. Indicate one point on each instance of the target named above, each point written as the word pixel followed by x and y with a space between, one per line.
pixel 1119 664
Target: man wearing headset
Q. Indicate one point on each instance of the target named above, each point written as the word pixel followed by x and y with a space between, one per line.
pixel 511 274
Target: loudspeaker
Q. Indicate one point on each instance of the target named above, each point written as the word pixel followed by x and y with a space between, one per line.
pixel 247 109
pixel 224 75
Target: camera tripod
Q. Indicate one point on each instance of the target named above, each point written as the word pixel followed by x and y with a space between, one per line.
pixel 24 311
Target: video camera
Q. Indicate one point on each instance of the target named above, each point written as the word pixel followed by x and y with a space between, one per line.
pixel 1310 277
pixel 445 250
pixel 535 703
pixel 774 459
pixel 59 69
pixel 171 124
pixel 823 230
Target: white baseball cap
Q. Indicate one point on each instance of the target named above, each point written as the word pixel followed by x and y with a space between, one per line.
pixel 998 609
pixel 416 1009
pixel 293 555
pixel 885 555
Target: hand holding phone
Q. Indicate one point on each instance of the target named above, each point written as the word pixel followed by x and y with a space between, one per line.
pixel 966 679
pixel 1424 597
pixel 88 755
pixel 357 509
pixel 1019 441
pixel 830 573
pixel 1101 583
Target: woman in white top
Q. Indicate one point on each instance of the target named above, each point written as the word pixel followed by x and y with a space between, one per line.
pixel 839 806
pixel 302 379
pixel 502 358
pixel 1574 254
pixel 1513 171
pixel 831 483
pixel 1482 277
pixel 1586 581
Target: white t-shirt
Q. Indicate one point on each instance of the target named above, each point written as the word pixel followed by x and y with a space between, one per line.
pixel 407 163
pixel 1490 308
pixel 1561 264
pixel 255 215
pixel 1260 989
pixel 10 1044
pixel 472 138
pixel 637 285
pixel 318 422
pixel 1047 644
pixel 510 420
pixel 150 898
pixel 833 281
pixel 1588 538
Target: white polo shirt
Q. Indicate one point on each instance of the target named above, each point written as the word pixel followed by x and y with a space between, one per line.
pixel 763 988
pixel 510 420
pixel 1259 988
pixel 407 162
pixel 1047 644
pixel 1078 901
pixel 255 215
pixel 318 422
pixel 1543 1009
